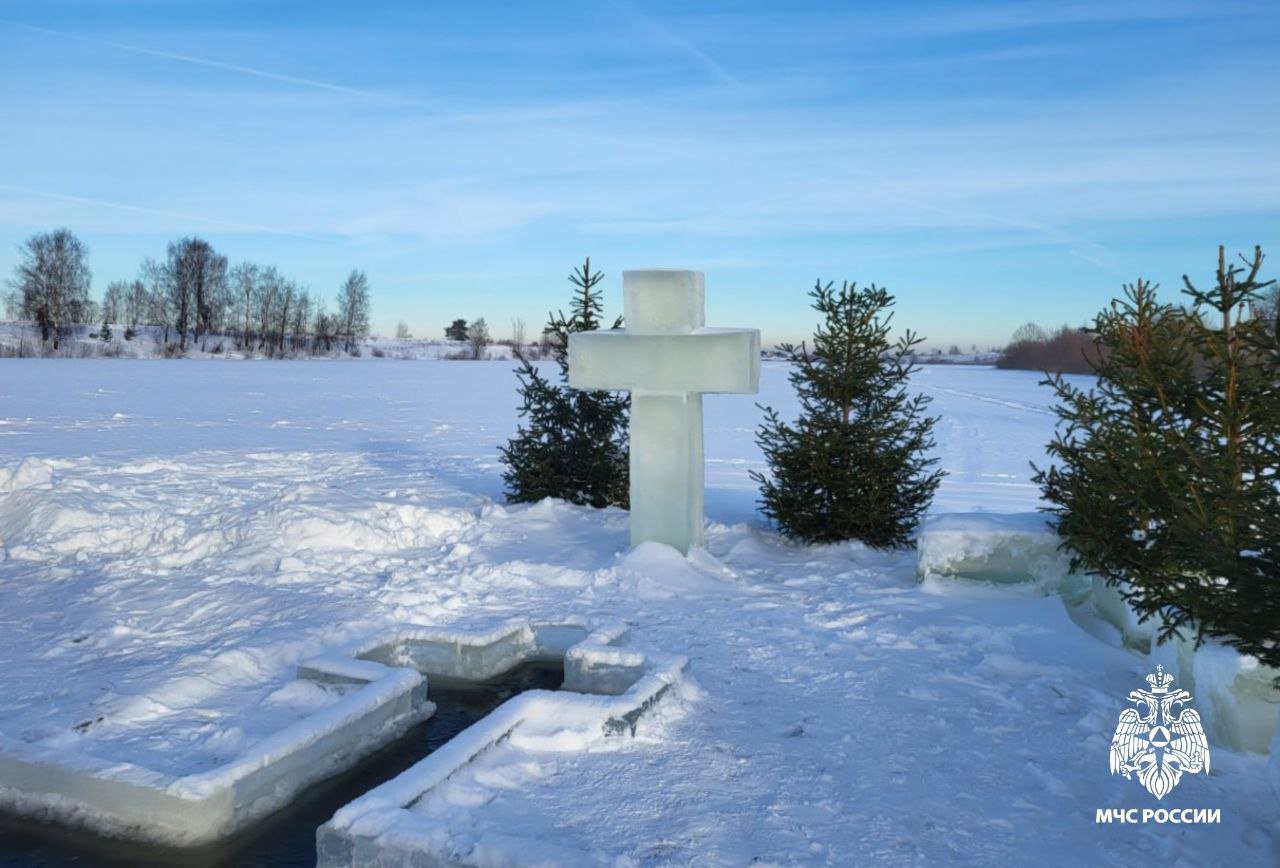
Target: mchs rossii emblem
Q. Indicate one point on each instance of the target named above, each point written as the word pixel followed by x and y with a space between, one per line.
pixel 1160 738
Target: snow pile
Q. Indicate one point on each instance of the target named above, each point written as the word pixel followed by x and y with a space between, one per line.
pixel 652 571
pixel 31 473
pixel 1236 696
pixel 990 547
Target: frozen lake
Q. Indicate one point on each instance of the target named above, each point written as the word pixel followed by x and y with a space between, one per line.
pixel 176 536
pixel 451 418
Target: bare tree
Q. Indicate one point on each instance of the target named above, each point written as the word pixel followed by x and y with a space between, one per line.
pixel 269 289
pixel 301 319
pixel 402 331
pixel 196 276
pixel 160 312
pixel 288 295
pixel 324 328
pixel 137 304
pixel 52 277
pixel 1029 332
pixel 113 301
pixel 518 331
pixel 1269 307
pixel 244 288
pixel 478 337
pixel 353 307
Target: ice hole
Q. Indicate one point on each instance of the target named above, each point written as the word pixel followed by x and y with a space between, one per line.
pixel 288 836
pixel 380 689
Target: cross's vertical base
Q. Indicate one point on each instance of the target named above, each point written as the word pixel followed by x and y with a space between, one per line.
pixel 666 469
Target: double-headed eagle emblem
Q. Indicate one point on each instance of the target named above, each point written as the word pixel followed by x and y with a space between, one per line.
pixel 1160 738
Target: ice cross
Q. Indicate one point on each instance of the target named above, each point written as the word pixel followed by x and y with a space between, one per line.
pixel 667 359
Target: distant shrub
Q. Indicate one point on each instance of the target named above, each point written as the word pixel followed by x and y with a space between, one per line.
pixel 1067 351
pixel 378 353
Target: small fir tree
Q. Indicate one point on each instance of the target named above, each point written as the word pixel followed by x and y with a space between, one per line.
pixel 105 334
pixel 572 444
pixel 456 330
pixel 1167 471
pixel 855 464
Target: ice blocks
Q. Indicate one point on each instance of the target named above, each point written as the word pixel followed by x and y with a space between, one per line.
pixel 667 360
pixel 1012 548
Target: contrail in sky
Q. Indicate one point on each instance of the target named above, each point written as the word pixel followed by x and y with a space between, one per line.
pixel 664 34
pixel 215 64
pixel 158 212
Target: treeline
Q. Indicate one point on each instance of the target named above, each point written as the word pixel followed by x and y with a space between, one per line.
pixel 1067 351
pixel 188 297
pixel 1072 350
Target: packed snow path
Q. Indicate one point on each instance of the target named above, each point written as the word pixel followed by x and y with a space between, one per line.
pixel 177 535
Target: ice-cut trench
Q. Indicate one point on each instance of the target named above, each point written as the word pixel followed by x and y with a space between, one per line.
pixel 606 686
pixel 288 836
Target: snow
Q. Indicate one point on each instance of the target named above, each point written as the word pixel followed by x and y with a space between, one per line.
pixel 172 553
pixel 992 547
pixel 1241 706
pixel 21 339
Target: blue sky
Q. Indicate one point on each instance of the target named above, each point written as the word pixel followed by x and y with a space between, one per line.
pixel 990 163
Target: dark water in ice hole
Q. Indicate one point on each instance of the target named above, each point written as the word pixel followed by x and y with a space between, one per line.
pixel 287 837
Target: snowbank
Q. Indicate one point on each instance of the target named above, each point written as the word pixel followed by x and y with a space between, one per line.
pixel 1237 698
pixel 1235 695
pixel 990 547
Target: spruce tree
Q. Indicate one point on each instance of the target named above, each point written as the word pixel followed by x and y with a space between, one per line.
pixel 1167 470
pixel 572 444
pixel 854 465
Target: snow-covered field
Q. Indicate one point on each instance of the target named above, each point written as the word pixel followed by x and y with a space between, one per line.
pixel 176 536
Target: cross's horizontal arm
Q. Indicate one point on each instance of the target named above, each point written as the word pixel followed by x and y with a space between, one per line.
pixel 707 360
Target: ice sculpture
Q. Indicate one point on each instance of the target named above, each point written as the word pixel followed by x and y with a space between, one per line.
pixel 667 360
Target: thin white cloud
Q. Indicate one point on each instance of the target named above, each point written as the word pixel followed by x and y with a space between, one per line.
pixel 959 19
pixel 661 33
pixel 153 212
pixel 214 64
